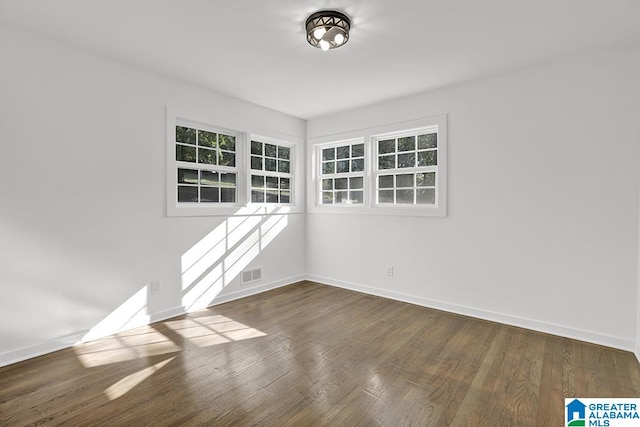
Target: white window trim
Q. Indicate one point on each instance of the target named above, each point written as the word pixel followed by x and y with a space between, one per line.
pixel 368 136
pixel 243 152
pixel 318 187
pixel 294 163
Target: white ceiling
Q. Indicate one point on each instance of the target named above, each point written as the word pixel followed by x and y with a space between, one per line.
pixel 256 49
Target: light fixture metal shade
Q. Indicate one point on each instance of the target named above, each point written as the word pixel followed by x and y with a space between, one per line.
pixel 328 29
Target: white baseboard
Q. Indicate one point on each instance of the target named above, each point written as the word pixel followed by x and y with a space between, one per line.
pixel 252 290
pixel 549 328
pixel 66 341
pixel 29 352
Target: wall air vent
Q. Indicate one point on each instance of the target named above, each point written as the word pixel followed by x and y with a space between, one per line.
pixel 251 275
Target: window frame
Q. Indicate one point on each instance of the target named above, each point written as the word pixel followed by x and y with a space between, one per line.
pixel 370 136
pixel 336 175
pixel 293 166
pixel 242 205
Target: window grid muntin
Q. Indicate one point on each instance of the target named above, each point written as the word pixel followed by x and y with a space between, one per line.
pixel 391 192
pixel 226 191
pixel 400 145
pixel 338 155
pixel 283 155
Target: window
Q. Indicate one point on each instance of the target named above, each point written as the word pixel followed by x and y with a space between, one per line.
pixel 393 169
pixel 213 170
pixel 271 172
pixel 342 173
pixel 407 168
pixel 206 166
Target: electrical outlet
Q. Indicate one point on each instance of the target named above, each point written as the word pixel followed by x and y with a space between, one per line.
pixel 389 270
pixel 154 288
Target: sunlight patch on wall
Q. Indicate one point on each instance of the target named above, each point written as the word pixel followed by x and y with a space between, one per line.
pixel 126 384
pixel 218 258
pixel 130 314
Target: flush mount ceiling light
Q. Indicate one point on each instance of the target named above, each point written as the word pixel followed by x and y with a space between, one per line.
pixel 328 29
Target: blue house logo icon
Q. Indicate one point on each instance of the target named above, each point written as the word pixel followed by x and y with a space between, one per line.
pixel 576 413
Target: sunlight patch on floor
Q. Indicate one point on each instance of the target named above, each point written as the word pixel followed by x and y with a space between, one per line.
pixel 122 348
pixel 213 330
pixel 127 383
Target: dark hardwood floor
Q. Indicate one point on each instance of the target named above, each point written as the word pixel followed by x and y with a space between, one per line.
pixel 309 354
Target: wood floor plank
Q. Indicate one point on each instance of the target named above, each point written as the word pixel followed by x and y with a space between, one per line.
pixel 310 354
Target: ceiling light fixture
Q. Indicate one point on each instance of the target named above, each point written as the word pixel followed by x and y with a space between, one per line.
pixel 328 29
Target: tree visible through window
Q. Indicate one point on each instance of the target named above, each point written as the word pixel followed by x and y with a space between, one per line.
pixel 342 174
pixel 206 164
pixel 271 177
pixel 407 169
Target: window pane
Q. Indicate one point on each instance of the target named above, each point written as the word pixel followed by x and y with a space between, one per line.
pixel 385 181
pixel 270 165
pixel 206 156
pixel 341 196
pixel 209 178
pixel 386 146
pixel 227 142
pixel 185 153
pixel 257 181
pixel 426 179
pixel 356 196
pixel 256 163
pixel 427 158
pixel 206 139
pixel 355 183
pixel 285 196
pixel 407 143
pixel 285 183
pixel 407 160
pixel 257 196
pixel 387 162
pixel 228 180
pixel 270 150
pixel 328 154
pixel 228 195
pixel 328 168
pixel 385 196
pixel 327 198
pixel 427 141
pixel 227 159
pixel 343 152
pixel 256 148
pixel 357 165
pixel 426 196
pixel 283 166
pixel 404 180
pixel 341 183
pixel 185 135
pixel 327 184
pixel 187 176
pixel 272 196
pixel 272 182
pixel 342 166
pixel 404 196
pixel 357 150
pixel 284 153
pixel 209 194
pixel 187 194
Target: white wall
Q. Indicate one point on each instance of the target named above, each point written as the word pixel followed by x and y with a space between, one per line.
pixel 82 193
pixel 637 348
pixel 542 229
